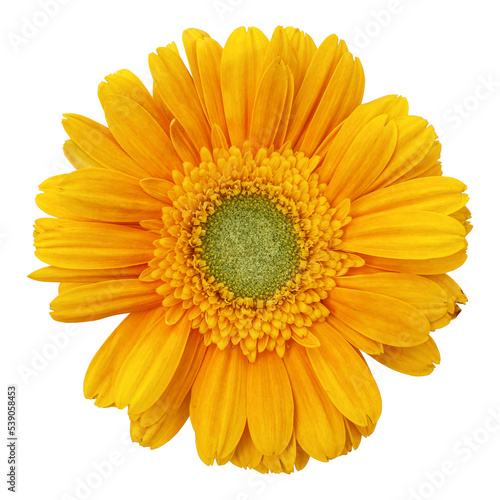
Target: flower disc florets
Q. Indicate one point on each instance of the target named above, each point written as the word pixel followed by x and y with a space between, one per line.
pixel 249 246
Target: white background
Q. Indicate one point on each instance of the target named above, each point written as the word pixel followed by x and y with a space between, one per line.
pixel 436 53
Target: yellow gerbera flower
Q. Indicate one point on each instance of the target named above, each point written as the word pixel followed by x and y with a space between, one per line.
pixel 261 227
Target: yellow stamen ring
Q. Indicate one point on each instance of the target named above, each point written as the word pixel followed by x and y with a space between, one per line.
pixel 212 205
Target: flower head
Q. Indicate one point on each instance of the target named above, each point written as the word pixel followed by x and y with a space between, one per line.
pixel 261 227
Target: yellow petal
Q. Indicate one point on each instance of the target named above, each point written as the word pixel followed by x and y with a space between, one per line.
pixel 209 55
pixel 429 166
pixel 106 298
pixel 463 215
pixel 64 287
pixel 180 384
pixel 433 170
pixel 183 144
pixel 218 403
pixel 342 95
pixel 325 146
pixel 77 157
pixel 319 426
pixel 178 91
pixel 92 245
pixel 415 139
pixel 279 140
pixel 141 136
pixel 98 142
pixel 379 317
pixel 50 203
pixel 308 341
pixel 167 427
pixel 108 196
pixel 450 287
pixel 353 436
pixel 58 274
pixel 150 366
pixel 315 82
pixel 418 361
pixel 390 105
pixel 404 234
pixel 174 313
pixel 269 105
pixel 366 157
pixel 355 338
pixel 455 296
pixel 420 292
pixel 288 457
pixel 241 69
pixel 126 84
pixel 301 458
pixel 435 194
pixel 101 374
pixel 161 104
pixel 304 48
pixel 269 404
pixel 345 376
pixel 278 47
pixel 190 38
pixel 219 140
pixel 158 188
pixel 246 454
pixel 418 266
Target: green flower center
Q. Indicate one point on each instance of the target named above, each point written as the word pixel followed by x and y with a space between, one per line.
pixel 250 246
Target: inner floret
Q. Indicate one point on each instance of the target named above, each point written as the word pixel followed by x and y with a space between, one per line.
pixel 250 246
